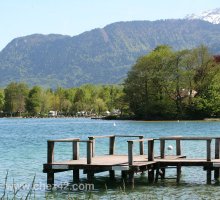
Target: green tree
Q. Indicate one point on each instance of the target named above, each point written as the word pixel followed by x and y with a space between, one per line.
pixel 15 98
pixel 100 106
pixel 2 101
pixel 146 86
pixel 33 104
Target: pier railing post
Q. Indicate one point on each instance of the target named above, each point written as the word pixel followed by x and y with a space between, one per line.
pixel 130 152
pixel 151 150
pixel 75 157
pixel 93 145
pixel 112 145
pixel 217 156
pixel 50 151
pixel 162 148
pixel 209 150
pixel 75 150
pixel 178 147
pixel 141 143
pixel 89 152
pixel 217 148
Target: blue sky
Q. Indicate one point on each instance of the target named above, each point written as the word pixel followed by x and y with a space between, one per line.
pixel 72 17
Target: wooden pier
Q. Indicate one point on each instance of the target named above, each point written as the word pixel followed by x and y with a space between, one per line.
pixel 129 164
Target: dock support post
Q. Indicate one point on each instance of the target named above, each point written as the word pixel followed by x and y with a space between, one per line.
pixel 50 152
pixel 124 175
pixel 50 159
pixel 76 175
pixel 112 145
pixel 50 179
pixel 178 173
pixel 89 152
pixel 90 176
pixel 111 152
pixel 157 172
pixel 209 175
pixel 217 149
pixel 141 143
pixel 178 153
pixel 151 176
pixel 162 155
pixel 93 145
pixel 162 149
pixel 130 152
pixel 131 178
pixel 209 150
pixel 178 147
pixel 151 150
pixel 112 175
pixel 75 149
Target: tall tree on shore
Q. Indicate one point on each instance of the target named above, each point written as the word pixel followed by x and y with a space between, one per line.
pixel 15 98
pixel 2 101
pixel 33 104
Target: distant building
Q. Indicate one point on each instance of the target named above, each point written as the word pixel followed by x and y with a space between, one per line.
pixel 52 113
pixel 187 93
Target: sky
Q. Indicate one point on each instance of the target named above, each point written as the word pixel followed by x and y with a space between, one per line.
pixel 72 17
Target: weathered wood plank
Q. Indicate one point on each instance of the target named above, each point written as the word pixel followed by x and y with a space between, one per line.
pixel 64 140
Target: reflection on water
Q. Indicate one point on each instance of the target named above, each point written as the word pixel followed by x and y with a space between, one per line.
pixel 23 151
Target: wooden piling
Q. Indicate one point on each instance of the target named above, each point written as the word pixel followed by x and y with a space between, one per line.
pixel 217 156
pixel 151 176
pixel 151 150
pixel 124 175
pixel 162 148
pixel 90 176
pixel 209 150
pixel 112 145
pixel 112 174
pixel 75 157
pixel 141 145
pixel 209 175
pixel 50 151
pixel 178 147
pixel 131 178
pixel 93 145
pixel 89 152
pixel 178 173
pixel 130 152
pixel 50 179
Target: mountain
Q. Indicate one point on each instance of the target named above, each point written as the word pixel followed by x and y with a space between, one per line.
pixel 100 56
pixel 212 16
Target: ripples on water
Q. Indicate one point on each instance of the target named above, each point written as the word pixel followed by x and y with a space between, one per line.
pixel 23 151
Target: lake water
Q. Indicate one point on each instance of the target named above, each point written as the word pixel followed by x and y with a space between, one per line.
pixel 23 150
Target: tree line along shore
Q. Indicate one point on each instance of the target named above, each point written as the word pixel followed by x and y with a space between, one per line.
pixel 162 85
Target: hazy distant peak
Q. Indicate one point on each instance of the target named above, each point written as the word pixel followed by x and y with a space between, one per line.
pixel 212 16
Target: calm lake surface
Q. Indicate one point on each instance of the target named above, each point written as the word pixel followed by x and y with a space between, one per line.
pixel 23 150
